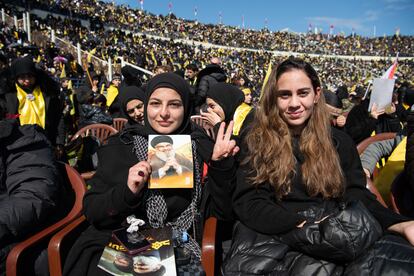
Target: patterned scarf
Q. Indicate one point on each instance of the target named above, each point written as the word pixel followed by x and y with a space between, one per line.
pixel 156 206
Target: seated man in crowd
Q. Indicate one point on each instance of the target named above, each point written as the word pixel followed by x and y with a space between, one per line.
pixel 28 186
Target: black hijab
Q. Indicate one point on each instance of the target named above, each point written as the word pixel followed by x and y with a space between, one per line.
pixel 228 96
pixel 177 83
pixel 127 94
pixel 170 80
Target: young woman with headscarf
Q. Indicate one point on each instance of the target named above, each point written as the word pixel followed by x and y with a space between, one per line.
pixel 132 104
pixel 119 187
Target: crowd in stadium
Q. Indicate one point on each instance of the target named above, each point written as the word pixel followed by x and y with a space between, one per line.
pixel 126 18
pixel 277 132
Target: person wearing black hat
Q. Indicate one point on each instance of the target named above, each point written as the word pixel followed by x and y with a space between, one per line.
pixel 33 98
pixel 132 104
pixel 119 187
pixel 334 104
pixel 165 162
pixel 131 76
pixel 210 75
pixel 92 108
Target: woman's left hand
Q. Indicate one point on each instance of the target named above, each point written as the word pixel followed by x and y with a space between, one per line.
pixel 224 146
pixel 406 229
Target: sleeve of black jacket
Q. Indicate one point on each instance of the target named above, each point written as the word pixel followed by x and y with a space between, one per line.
pixel 202 89
pixel 31 183
pixel 359 125
pixel 109 200
pixel 409 154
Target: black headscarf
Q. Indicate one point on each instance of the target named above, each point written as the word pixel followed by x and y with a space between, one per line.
pixel 22 66
pixel 171 80
pixel 177 83
pixel 332 99
pixel 127 94
pixel 228 96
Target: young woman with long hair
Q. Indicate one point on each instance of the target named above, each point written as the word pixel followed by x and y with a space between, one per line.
pixel 300 193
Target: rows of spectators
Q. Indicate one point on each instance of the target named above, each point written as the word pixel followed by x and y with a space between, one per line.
pixel 64 110
pixel 123 17
pixel 149 53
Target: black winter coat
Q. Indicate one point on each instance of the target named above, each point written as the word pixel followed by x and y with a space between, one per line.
pixel 206 78
pixel 91 114
pixel 403 189
pixel 109 201
pixel 29 185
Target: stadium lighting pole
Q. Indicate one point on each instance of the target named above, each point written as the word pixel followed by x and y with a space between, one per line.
pixel 78 49
pixel 29 35
pixel 52 36
pixel 24 22
pixel 3 16
pixel 110 69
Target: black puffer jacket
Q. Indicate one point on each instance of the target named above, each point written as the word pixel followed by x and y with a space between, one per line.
pixel 210 75
pixel 28 183
pixel 91 114
pixel 257 254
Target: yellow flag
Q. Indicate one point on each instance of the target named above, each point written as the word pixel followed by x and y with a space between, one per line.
pixel 63 73
pixel 153 57
pixel 90 54
pixel 269 70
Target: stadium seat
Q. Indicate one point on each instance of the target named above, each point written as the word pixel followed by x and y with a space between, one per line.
pixel 101 131
pixel 61 243
pixel 18 257
pixel 119 123
pixel 378 137
pixel 208 247
pixel 361 147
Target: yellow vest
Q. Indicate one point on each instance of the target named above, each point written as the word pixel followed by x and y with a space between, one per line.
pixel 239 116
pixel 112 92
pixel 32 108
pixel 392 168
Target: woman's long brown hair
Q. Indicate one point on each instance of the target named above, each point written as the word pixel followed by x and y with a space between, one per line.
pixel 269 143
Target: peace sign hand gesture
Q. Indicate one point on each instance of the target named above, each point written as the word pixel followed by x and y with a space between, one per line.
pixel 224 147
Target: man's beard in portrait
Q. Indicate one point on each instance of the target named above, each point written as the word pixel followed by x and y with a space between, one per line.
pixel 164 156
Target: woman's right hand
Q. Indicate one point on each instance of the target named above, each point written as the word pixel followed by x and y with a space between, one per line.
pixel 375 113
pixel 210 116
pixel 138 176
